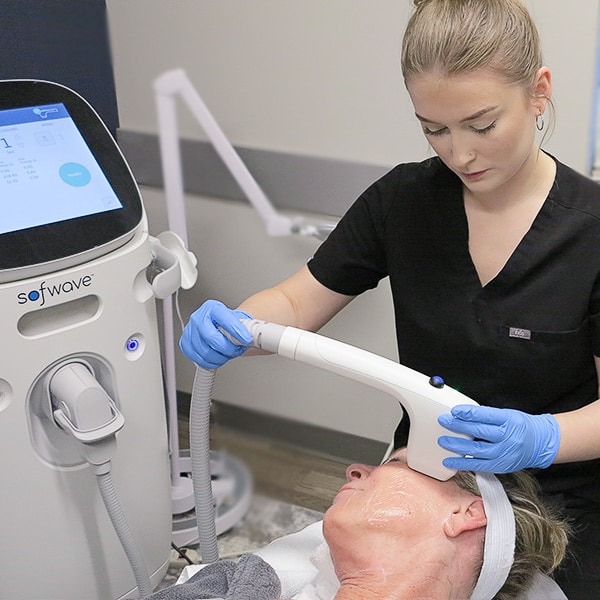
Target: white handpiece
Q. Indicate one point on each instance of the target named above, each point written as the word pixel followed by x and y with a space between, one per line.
pixel 423 398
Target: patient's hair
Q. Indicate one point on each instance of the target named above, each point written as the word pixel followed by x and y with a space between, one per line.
pixel 541 535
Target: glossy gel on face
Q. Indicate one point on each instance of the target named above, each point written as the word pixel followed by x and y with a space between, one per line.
pixel 391 497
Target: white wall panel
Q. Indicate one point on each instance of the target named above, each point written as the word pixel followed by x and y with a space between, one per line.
pixel 317 78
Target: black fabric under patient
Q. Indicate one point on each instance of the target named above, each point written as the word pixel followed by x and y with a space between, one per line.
pixel 250 577
pixel 579 574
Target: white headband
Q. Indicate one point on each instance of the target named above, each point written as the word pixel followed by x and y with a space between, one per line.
pixel 499 550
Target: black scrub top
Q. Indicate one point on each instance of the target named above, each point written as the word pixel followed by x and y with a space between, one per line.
pixel 527 339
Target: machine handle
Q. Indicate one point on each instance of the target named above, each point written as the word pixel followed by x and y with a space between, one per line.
pixel 423 398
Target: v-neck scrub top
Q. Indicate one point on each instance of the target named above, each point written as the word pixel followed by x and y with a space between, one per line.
pixel 527 339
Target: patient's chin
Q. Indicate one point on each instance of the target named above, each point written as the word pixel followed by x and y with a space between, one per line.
pixel 333 526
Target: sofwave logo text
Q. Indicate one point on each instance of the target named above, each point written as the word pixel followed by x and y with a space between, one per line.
pixel 53 290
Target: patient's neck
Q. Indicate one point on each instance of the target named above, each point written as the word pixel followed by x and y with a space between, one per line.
pixel 353 593
pixel 424 591
pixel 430 580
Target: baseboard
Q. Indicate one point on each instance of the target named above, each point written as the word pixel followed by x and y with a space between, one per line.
pixel 321 441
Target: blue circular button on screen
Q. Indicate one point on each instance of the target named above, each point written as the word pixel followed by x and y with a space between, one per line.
pixel 75 174
pixel 132 345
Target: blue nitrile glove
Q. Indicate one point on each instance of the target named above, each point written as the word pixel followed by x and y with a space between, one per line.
pixel 204 343
pixel 506 440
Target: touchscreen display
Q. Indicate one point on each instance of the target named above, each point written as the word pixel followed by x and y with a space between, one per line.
pixel 47 171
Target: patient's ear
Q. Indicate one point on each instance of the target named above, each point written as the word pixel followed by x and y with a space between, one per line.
pixel 468 516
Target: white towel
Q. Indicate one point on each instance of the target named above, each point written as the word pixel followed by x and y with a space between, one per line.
pixel 325 584
pixel 290 556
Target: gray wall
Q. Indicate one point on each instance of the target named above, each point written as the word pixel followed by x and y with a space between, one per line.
pixel 317 79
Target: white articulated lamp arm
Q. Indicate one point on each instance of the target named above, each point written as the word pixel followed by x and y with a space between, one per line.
pixel 423 398
pixel 176 83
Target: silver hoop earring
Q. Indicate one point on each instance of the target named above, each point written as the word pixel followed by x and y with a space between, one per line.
pixel 539 122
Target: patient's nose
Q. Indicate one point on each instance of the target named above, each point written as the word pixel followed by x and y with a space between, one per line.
pixel 358 471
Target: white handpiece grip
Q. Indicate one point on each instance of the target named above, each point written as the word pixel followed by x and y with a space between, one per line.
pixel 422 400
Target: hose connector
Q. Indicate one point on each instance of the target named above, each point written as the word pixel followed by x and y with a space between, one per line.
pixel 265 336
pixel 81 405
pixel 83 409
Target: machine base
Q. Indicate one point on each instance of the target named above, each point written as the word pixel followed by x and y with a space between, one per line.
pixel 232 489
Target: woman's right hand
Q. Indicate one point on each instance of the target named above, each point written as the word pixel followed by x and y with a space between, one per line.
pixel 205 338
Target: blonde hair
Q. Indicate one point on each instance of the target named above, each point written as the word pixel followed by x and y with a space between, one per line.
pixel 541 535
pixel 458 36
pixel 454 37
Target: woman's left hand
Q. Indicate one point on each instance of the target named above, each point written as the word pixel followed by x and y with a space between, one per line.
pixel 505 440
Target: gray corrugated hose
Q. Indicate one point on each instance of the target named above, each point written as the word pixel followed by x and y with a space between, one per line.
pixel 200 455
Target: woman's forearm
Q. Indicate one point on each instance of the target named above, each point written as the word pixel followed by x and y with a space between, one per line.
pixel 300 301
pixel 579 434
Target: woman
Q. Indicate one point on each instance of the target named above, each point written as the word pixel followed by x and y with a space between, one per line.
pixel 492 249
pixel 395 533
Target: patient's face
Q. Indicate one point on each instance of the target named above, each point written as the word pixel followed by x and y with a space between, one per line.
pixel 390 521
pixel 389 500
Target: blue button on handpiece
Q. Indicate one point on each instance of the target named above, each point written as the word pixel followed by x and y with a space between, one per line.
pixel 436 381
